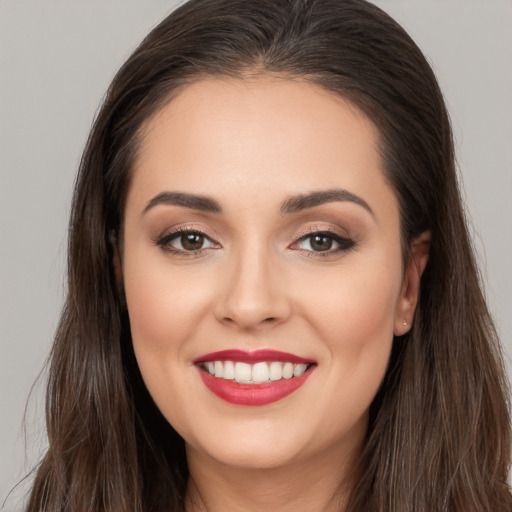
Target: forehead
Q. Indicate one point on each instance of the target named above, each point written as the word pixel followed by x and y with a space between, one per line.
pixel 267 135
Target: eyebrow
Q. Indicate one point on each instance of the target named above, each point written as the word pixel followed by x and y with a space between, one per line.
pixel 291 205
pixel 317 198
pixel 195 202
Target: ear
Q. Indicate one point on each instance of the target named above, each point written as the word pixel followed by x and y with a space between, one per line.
pixel 409 293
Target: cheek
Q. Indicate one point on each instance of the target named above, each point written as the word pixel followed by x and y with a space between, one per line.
pixel 355 320
pixel 356 306
pixel 164 308
pixel 148 307
pixel 163 301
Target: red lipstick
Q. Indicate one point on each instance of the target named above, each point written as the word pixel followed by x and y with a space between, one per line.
pixel 248 393
pixel 252 357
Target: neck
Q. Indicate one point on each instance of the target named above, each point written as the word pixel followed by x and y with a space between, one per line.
pixel 318 484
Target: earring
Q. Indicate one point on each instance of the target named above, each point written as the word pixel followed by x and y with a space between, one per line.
pixel 405 323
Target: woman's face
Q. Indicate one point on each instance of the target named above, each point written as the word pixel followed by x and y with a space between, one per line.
pixel 261 239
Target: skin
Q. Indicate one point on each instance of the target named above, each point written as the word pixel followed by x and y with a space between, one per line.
pixel 257 283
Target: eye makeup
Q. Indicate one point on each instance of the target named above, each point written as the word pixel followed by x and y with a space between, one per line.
pixel 191 241
pixel 186 241
pixel 323 242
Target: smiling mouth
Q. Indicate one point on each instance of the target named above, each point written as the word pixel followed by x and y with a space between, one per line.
pixel 253 378
pixel 258 373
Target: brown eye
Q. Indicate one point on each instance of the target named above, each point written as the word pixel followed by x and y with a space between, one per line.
pixel 184 242
pixel 321 243
pixel 324 241
pixel 192 241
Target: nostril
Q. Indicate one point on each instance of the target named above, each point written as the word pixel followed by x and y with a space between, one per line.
pixel 227 320
pixel 252 308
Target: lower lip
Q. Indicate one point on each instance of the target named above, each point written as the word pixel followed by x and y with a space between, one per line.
pixel 253 394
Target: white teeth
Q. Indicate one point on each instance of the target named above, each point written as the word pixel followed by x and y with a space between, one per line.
pixel 218 369
pixel 288 371
pixel 229 370
pixel 298 369
pixel 276 371
pixel 260 372
pixel 242 372
pixel 254 373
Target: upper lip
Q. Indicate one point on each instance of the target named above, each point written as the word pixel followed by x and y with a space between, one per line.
pixel 253 356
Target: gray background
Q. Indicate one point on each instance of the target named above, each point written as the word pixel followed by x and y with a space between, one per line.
pixel 57 59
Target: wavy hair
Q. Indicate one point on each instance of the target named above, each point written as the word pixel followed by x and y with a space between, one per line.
pixel 439 436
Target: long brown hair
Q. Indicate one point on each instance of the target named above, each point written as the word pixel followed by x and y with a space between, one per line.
pixel 439 435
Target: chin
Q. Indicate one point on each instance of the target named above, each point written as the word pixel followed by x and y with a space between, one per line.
pixel 250 445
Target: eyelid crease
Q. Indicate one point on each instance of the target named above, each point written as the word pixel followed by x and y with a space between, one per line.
pixel 321 229
pixel 164 235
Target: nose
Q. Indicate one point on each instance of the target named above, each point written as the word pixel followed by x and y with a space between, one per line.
pixel 254 293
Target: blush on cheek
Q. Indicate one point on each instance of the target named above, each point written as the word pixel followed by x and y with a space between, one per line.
pixel 357 307
pixel 358 323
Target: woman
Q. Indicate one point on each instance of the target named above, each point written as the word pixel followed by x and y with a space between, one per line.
pixel 273 301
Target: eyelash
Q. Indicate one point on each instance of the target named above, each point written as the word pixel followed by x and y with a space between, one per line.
pixel 344 243
pixel 164 242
